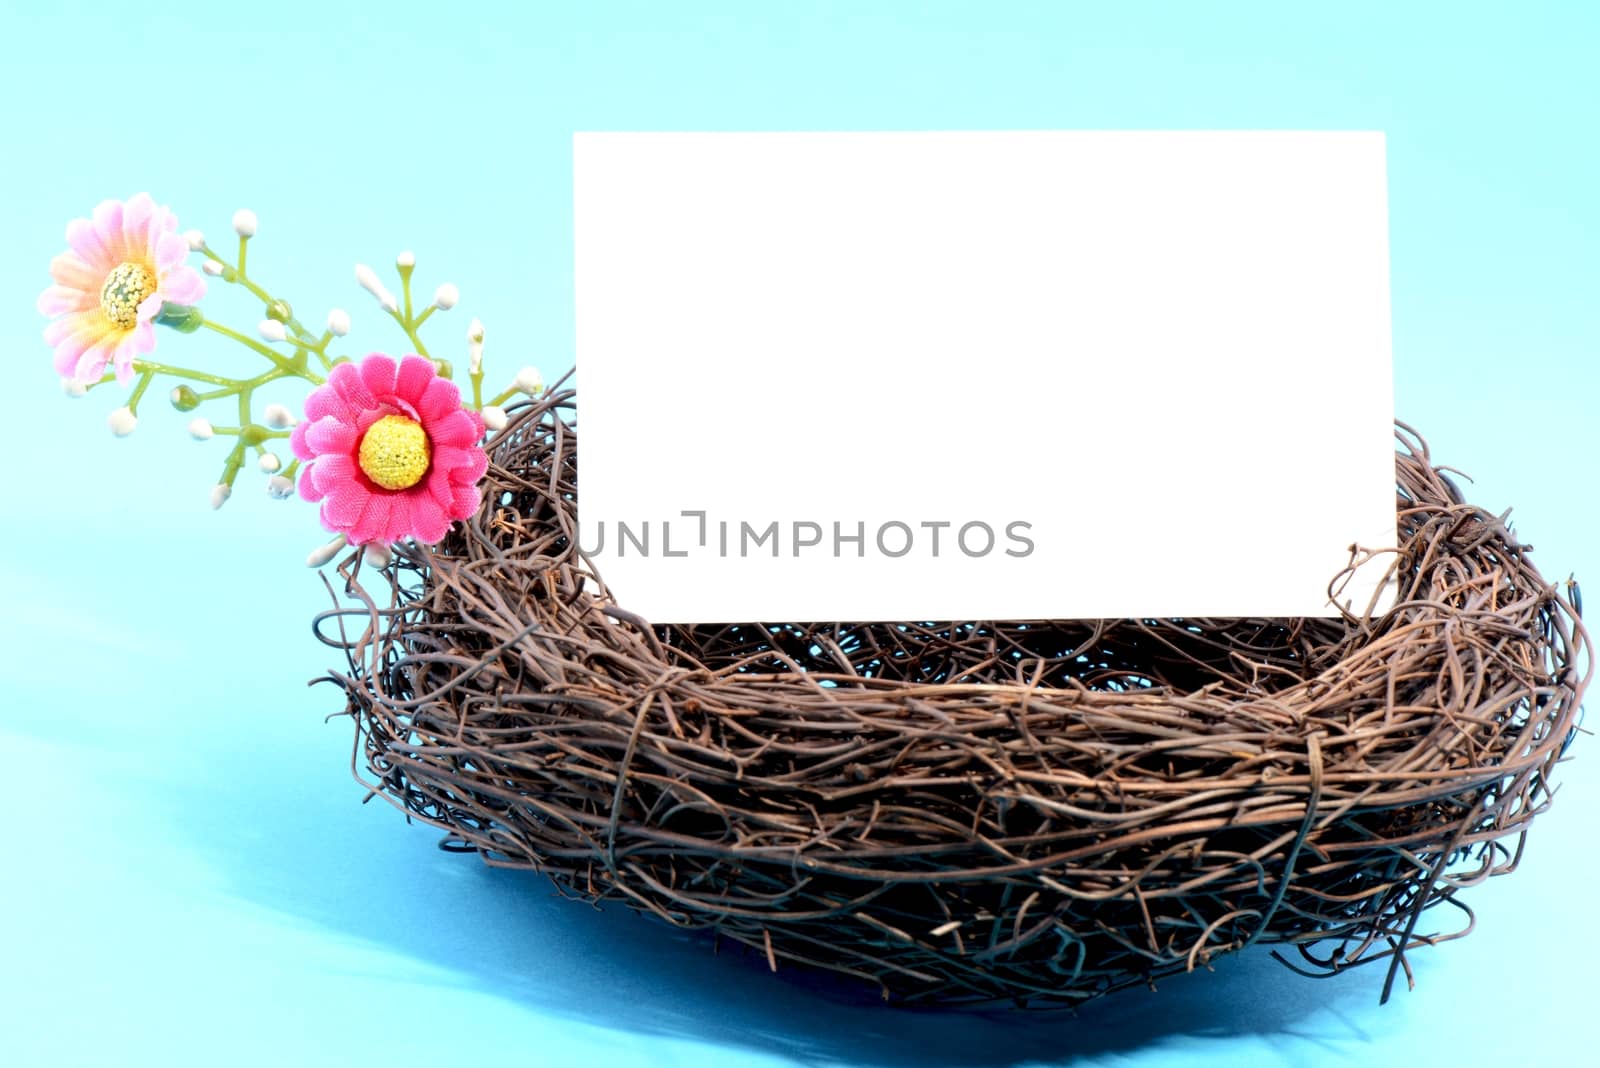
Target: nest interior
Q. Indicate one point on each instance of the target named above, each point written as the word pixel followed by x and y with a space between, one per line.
pixel 1037 812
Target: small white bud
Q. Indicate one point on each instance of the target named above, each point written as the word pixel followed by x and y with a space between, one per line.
pixel 377 554
pixel 200 429
pixel 446 296
pixel 122 421
pixel 220 494
pixel 278 417
pixel 272 330
pixel 475 347
pixel 323 553
pixel 406 260
pixel 338 322
pixel 369 281
pixel 73 387
pixel 494 417
pixel 269 462
pixel 529 381
pixel 196 240
pixel 211 267
pixel 244 222
pixel 280 488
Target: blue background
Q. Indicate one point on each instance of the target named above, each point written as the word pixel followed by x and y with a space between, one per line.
pixel 191 878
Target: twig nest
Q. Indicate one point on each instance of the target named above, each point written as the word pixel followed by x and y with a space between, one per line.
pixel 976 810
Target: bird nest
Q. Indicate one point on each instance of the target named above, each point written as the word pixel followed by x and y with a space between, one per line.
pixel 978 810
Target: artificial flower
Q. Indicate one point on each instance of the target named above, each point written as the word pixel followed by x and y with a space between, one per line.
pixel 389 451
pixel 124 263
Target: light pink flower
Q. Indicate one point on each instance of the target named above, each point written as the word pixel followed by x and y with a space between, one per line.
pixel 124 263
pixel 389 451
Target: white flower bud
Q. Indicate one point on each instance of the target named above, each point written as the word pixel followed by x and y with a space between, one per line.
pixel 73 387
pixel 220 494
pixel 280 488
pixel 200 429
pixel 196 240
pixel 272 330
pixel 244 222
pixel 278 417
pixel 446 297
pixel 322 554
pixel 122 421
pixel 406 260
pixel 211 267
pixel 369 281
pixel 529 381
pixel 494 417
pixel 338 322
pixel 475 347
pixel 377 554
pixel 269 462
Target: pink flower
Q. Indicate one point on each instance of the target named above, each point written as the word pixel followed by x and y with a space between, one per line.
pixel 389 451
pixel 124 263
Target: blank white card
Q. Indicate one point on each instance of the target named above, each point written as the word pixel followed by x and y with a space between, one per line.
pixel 947 376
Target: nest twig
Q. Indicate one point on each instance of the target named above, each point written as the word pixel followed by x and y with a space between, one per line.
pixel 1035 811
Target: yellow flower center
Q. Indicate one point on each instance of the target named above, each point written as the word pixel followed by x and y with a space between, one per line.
pixel 395 452
pixel 125 288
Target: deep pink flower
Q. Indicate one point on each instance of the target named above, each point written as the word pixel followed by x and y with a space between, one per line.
pixel 389 451
pixel 124 263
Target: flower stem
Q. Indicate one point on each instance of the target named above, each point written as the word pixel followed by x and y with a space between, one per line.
pixel 230 466
pixel 410 328
pixel 238 276
pixel 405 290
pixel 138 391
pixel 177 372
pixel 286 365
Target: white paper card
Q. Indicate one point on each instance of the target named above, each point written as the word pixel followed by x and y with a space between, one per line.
pixel 946 376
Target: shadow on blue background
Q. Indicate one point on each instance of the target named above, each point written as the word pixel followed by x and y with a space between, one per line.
pixel 508 934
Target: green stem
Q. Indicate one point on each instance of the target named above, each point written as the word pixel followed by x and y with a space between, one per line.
pixel 238 276
pixel 235 460
pixel 287 366
pixel 138 391
pixel 503 397
pixel 405 289
pixel 411 332
pixel 321 349
pixel 250 383
pixel 176 372
pixel 260 294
